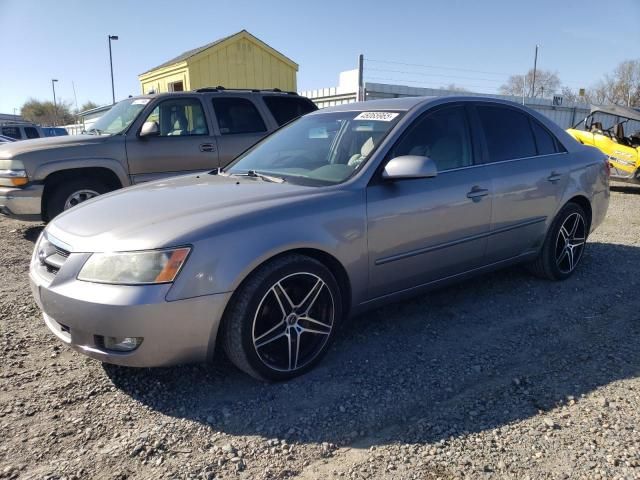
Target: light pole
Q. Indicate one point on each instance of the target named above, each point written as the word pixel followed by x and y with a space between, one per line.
pixel 535 66
pixel 113 90
pixel 55 105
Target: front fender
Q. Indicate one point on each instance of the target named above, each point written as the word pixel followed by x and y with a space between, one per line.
pixel 220 262
pixel 46 169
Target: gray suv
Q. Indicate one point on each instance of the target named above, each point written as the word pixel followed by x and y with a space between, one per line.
pixel 140 139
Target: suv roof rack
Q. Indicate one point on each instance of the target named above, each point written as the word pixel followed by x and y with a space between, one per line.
pixel 220 88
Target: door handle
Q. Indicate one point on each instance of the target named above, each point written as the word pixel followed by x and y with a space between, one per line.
pixel 477 193
pixel 207 147
pixel 554 177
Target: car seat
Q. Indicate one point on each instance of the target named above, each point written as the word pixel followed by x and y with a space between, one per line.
pixel 356 159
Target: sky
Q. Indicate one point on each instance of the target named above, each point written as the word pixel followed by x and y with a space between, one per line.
pixel 471 43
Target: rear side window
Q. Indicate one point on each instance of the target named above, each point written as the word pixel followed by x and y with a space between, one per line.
pixel 285 109
pixel 546 143
pixel 237 115
pixel 31 132
pixel 507 132
pixel 13 132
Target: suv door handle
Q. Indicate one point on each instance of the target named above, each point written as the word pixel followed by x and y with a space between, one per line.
pixel 554 177
pixel 207 147
pixel 477 193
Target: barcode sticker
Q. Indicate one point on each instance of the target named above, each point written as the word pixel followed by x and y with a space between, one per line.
pixel 141 101
pixel 380 116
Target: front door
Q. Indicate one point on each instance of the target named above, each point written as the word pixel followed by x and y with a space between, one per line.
pixel 422 230
pixel 184 142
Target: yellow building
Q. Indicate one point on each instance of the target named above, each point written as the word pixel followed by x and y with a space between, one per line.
pixel 237 61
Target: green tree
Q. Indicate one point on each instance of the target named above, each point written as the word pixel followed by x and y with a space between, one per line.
pixel 88 106
pixel 45 113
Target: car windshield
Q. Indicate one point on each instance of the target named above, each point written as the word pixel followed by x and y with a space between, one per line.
pixel 121 115
pixel 318 149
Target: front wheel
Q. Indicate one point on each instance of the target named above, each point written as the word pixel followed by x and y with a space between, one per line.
pixel 564 245
pixel 69 193
pixel 283 318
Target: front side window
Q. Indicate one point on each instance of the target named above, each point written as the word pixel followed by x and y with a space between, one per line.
pixel 285 109
pixel 442 136
pixel 31 132
pixel 507 132
pixel 13 132
pixel 318 149
pixel 180 117
pixel 237 115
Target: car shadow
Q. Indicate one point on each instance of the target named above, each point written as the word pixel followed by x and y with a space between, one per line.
pixel 625 188
pixel 487 352
pixel 32 233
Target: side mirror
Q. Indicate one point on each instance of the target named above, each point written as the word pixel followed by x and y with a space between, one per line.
pixel 150 129
pixel 409 166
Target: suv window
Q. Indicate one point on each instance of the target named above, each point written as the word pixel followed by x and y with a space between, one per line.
pixel 237 115
pixel 13 132
pixel 507 132
pixel 31 132
pixel 546 143
pixel 285 109
pixel 442 136
pixel 179 117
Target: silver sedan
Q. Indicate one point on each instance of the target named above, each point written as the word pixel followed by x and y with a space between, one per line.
pixel 340 211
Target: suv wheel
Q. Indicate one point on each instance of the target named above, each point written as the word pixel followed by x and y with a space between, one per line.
pixel 69 193
pixel 283 318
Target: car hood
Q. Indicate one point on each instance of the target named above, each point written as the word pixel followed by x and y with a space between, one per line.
pixel 15 149
pixel 171 212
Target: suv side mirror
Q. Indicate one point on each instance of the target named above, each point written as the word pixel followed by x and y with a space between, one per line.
pixel 409 166
pixel 149 129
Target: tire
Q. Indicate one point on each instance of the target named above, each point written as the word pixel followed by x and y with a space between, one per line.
pixel 66 188
pixel 273 336
pixel 556 261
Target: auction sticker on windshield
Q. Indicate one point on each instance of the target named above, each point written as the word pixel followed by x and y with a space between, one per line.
pixel 141 101
pixel 381 116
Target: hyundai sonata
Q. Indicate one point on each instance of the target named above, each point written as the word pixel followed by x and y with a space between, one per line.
pixel 339 211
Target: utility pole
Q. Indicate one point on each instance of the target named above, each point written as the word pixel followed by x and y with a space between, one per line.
pixel 360 93
pixel 55 105
pixel 524 86
pixel 113 90
pixel 535 67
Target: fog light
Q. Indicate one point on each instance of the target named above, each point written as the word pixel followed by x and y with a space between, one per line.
pixel 122 344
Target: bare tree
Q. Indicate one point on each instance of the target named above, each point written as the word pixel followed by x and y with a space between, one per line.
pixel 622 87
pixel 454 88
pixel 547 84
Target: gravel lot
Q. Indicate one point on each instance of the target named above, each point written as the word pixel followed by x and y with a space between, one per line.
pixel 503 376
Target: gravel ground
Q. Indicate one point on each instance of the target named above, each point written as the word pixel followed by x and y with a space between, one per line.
pixel 503 376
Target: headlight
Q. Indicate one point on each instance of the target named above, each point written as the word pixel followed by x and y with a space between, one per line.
pixel 12 173
pixel 134 268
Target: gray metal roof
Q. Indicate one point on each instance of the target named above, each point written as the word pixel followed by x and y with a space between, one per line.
pixel 617 110
pixel 190 53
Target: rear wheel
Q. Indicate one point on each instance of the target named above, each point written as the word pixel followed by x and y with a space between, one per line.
pixel 71 192
pixel 564 245
pixel 283 318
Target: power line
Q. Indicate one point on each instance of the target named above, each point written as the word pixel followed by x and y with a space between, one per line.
pixel 441 87
pixel 436 66
pixel 433 75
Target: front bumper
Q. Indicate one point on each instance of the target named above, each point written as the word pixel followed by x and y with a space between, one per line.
pixel 22 203
pixel 82 313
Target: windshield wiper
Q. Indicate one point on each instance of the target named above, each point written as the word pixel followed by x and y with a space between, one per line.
pixel 93 131
pixel 261 176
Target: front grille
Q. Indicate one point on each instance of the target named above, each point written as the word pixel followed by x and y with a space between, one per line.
pixel 51 255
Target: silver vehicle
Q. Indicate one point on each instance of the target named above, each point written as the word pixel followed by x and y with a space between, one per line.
pixel 342 210
pixel 139 139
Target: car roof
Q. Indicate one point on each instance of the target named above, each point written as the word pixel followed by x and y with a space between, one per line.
pixel 616 110
pixel 408 103
pixel 222 91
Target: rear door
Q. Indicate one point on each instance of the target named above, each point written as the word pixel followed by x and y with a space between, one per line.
pixel 184 143
pixel 240 124
pixel 529 172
